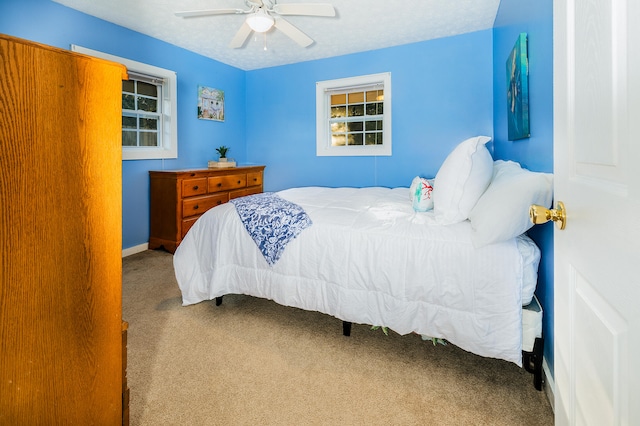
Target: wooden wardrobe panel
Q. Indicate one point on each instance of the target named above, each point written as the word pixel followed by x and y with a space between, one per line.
pixel 60 235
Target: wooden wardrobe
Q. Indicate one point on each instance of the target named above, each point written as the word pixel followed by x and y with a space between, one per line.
pixel 62 359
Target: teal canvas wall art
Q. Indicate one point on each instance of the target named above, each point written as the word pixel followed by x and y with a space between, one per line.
pixel 518 90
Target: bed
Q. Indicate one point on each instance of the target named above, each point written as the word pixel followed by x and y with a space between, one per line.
pixel 372 256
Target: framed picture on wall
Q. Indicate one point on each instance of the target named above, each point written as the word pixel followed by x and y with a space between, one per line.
pixel 210 104
pixel 518 90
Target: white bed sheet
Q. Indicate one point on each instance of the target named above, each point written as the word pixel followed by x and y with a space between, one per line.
pixel 531 324
pixel 369 258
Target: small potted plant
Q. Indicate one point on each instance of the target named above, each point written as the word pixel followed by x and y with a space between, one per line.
pixel 223 153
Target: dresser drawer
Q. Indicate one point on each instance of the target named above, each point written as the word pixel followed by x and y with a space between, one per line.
pixel 246 191
pixel 225 183
pixel 198 205
pixel 191 187
pixel 187 224
pixel 254 179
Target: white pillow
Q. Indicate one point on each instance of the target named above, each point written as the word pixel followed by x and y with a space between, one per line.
pixel 420 194
pixel 461 180
pixel 502 212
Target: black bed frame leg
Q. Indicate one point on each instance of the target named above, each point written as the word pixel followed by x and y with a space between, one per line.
pixel 219 301
pixel 346 328
pixel 533 362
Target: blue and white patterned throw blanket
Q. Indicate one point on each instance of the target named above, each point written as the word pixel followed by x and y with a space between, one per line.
pixel 271 221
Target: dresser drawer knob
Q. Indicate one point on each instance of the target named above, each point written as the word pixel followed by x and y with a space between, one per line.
pixel 195 188
pixel 239 182
pixel 195 207
pixel 219 185
pixel 219 202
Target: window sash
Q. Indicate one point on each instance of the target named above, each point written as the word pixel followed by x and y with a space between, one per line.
pixel 141 133
pixel 346 135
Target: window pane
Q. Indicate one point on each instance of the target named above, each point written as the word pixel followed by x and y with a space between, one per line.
pixel 380 110
pixel 356 110
pixel 338 140
pixel 373 138
pixel 129 122
pixel 373 125
pixel 338 111
pixel 339 99
pixel 375 95
pixel 355 126
pixel 370 139
pixel 148 139
pixel 372 109
pixel 340 126
pixel 128 102
pixel 147 89
pixel 149 123
pixel 129 138
pixel 146 104
pixel 355 98
pixel 128 86
pixel 355 139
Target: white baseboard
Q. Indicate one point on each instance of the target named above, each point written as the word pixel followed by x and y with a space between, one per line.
pixel 135 249
pixel 549 384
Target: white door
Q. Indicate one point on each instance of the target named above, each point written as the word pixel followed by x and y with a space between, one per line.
pixel 597 176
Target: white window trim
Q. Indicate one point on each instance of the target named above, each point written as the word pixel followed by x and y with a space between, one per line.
pixel 323 133
pixel 169 107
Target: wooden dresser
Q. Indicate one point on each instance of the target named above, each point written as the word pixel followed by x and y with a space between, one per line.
pixel 62 355
pixel 180 197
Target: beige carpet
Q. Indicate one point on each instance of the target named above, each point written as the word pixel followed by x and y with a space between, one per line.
pixel 253 362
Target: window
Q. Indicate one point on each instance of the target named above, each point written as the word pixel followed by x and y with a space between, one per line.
pixel 149 109
pixel 353 116
pixel 141 111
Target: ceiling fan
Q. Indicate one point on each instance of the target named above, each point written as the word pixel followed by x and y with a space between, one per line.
pixel 264 14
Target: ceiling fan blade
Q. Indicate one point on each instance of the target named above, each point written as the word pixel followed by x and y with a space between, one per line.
pixel 307 9
pixel 241 36
pixel 292 32
pixel 210 12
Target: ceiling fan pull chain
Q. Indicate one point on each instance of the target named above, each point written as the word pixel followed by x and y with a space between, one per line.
pixel 265 42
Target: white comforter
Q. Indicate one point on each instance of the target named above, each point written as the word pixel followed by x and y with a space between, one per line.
pixel 369 258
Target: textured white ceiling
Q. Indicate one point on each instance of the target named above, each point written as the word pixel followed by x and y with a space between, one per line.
pixel 359 25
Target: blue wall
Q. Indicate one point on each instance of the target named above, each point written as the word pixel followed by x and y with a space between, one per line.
pixel 535 153
pixel 50 23
pixel 441 95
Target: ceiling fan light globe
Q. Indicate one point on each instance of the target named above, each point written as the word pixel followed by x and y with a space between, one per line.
pixel 260 21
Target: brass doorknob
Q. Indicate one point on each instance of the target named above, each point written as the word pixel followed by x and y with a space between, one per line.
pixel 539 214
